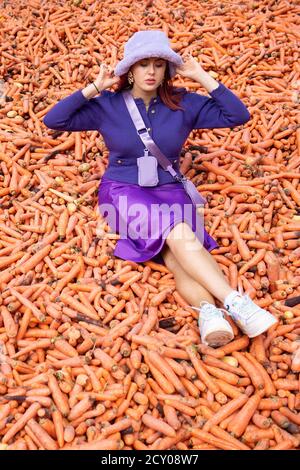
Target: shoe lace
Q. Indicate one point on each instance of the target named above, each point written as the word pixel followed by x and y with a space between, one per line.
pixel 208 310
pixel 247 308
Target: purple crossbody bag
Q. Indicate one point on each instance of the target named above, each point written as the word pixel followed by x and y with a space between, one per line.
pixel 147 167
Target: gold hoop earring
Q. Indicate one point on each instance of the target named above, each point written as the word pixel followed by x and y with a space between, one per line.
pixel 130 78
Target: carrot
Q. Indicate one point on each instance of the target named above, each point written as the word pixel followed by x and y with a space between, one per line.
pixel 253 372
pixel 272 403
pixel 161 379
pixel 158 425
pixel 64 347
pixel 39 344
pixel 46 440
pixel 167 443
pixel 259 256
pixel 207 350
pixel 9 324
pixel 263 444
pixel 286 384
pixel 162 365
pixel 151 320
pixel 285 445
pixel 261 421
pixel 280 419
pixel 107 362
pixel 226 376
pixel 69 433
pixel 59 426
pixel 64 295
pixel 236 345
pixel 171 417
pixel 221 364
pixel 21 422
pixel 120 425
pixel 242 247
pixel 81 407
pixel 100 444
pixel 200 370
pixel 226 411
pixel 239 423
pixel 222 434
pixel 210 439
pixel 259 349
pixel 58 396
pixel 36 312
pixel 183 408
pixel 78 306
pixel 292 416
pixel 268 384
pixel 254 434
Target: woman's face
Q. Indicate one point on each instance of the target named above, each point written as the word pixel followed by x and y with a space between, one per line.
pixel 149 68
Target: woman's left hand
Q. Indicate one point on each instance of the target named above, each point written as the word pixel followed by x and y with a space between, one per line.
pixel 190 68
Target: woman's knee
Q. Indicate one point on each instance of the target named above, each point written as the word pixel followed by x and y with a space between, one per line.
pixel 182 237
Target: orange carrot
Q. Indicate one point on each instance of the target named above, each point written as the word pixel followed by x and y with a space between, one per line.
pixel 9 324
pixel 81 407
pixel 268 384
pixel 263 444
pixel 201 372
pixel 101 444
pixel 261 421
pixel 215 441
pixel 253 372
pixel 280 419
pixel 59 398
pixel 162 365
pixel 21 422
pixel 239 423
pixel 59 426
pixel 226 411
pixel 158 425
pixel 46 440
pixel 292 416
pixel 171 417
pixel 236 345
pixel 242 247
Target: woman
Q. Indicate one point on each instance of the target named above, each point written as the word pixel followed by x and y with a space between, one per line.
pixel 171 114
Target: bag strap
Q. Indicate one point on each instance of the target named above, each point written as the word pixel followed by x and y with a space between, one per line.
pixel 146 138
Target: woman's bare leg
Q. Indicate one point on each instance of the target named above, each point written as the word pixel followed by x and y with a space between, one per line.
pixel 186 286
pixel 195 260
pixel 214 331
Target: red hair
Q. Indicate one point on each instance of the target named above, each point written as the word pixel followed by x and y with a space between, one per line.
pixel 169 94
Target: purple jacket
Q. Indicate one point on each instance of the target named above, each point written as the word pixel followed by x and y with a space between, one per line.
pixel 108 114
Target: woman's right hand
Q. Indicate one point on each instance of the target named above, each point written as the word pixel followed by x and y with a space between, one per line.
pixel 105 78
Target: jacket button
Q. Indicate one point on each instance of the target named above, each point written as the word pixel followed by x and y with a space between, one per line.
pixel 119 161
pixel 175 161
pixel 153 111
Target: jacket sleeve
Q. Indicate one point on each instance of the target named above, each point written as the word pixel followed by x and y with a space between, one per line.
pixel 76 113
pixel 224 109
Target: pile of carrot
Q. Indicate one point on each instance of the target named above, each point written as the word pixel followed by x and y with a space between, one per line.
pixel 101 353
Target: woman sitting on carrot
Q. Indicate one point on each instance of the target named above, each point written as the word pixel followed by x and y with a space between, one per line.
pixel 146 69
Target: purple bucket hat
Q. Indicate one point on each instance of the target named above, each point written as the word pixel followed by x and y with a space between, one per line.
pixel 151 43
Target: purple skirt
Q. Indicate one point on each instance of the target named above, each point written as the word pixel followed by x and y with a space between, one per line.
pixel 144 216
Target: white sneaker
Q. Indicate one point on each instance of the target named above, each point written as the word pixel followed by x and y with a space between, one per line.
pixel 215 331
pixel 250 318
